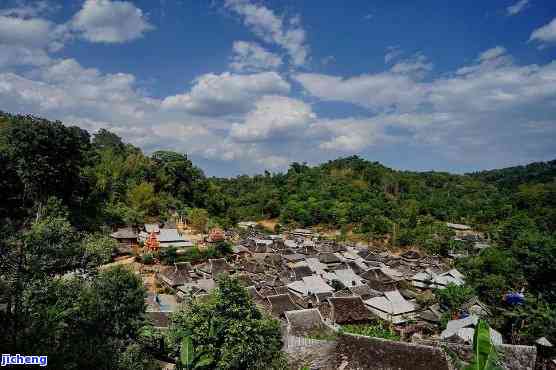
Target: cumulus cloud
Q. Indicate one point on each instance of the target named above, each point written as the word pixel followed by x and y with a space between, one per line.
pixel 545 34
pixel 392 53
pixel 517 7
pixel 384 91
pixel 489 113
pixel 30 10
pixel 484 110
pixel 110 21
pixel 416 66
pixel 64 87
pixel 284 32
pixel 273 117
pixel 31 33
pixel 226 93
pixel 251 57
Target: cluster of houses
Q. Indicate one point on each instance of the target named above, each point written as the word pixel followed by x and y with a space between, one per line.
pixel 309 282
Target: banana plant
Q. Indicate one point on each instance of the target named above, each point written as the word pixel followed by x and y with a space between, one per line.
pixel 193 358
pixel 485 356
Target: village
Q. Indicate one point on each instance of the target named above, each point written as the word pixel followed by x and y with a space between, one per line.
pixel 317 286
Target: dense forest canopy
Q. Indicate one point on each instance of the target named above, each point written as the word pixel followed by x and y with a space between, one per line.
pixel 61 186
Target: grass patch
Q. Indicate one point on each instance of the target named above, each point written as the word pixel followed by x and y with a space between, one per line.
pixel 321 334
pixel 377 329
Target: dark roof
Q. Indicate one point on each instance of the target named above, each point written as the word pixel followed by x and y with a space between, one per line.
pixel 302 271
pixel 218 266
pixel 376 274
pixel 346 310
pixel 273 259
pixel 175 275
pixel 281 303
pixel 257 297
pixel 124 233
pixel 293 257
pixel 364 291
pixel 304 321
pixel 329 258
pixel 411 255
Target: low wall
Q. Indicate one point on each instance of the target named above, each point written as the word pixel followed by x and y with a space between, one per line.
pixel 360 352
pixel 511 357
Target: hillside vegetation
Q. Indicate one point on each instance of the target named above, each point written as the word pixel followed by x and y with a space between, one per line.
pixel 60 185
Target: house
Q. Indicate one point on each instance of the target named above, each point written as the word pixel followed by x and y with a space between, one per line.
pixel 174 276
pixel 196 288
pixel 349 278
pixel 377 279
pixel 172 238
pixel 215 267
pixel 458 227
pixel 462 331
pixel 331 260
pixel 152 228
pixel 292 258
pixel 311 285
pixel 475 307
pixel 428 279
pixel 315 265
pixel 304 322
pixel 281 303
pixel 301 270
pixel 216 235
pixel 246 225
pixel 301 233
pixel 433 314
pixel 363 291
pixel 258 298
pixel 126 237
pixel 392 307
pixel 348 310
pixel 159 307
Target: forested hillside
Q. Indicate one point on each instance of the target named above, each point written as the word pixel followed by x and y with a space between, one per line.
pixel 62 187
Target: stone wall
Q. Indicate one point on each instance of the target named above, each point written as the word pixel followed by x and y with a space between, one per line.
pixel 511 357
pixel 359 352
pixel 355 352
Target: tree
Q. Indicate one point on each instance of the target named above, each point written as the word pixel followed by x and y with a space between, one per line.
pixel 47 157
pixel 454 296
pixel 198 218
pixel 143 199
pixel 99 248
pixel 228 331
pixel 485 356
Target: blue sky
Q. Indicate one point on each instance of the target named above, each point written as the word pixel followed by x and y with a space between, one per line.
pixel 242 86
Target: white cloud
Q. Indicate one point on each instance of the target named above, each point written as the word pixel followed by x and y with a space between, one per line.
pixel 33 33
pixel 483 112
pixel 30 10
pixel 392 53
pixel 417 66
pixel 287 33
pixel 545 34
pixel 493 53
pixel 64 88
pixel 226 93
pixel 250 57
pixel 110 21
pixel 517 7
pixel 273 117
pixel 489 113
pixel 13 55
pixel 385 91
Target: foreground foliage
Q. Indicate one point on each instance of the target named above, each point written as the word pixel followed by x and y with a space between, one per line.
pixel 227 331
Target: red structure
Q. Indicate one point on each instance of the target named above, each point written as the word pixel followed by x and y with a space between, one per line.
pixel 152 243
pixel 216 235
